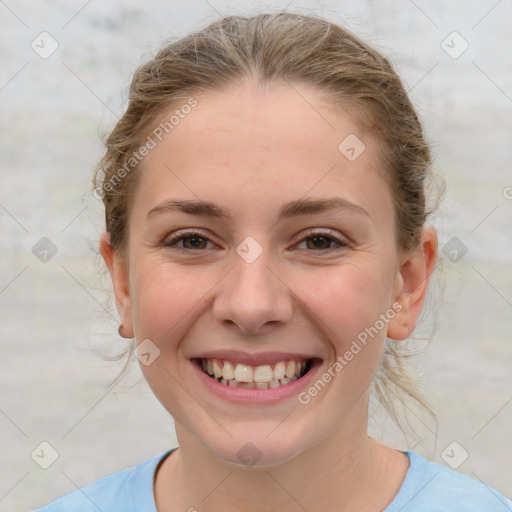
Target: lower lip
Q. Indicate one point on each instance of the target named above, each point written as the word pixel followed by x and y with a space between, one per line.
pixel 253 396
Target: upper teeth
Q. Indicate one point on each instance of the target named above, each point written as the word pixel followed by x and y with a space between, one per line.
pixel 222 369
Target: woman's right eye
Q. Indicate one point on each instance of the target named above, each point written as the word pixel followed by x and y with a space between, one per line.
pixel 192 240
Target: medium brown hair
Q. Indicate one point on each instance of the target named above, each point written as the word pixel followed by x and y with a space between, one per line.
pixel 277 48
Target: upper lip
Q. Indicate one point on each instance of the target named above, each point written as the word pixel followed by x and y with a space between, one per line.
pixel 253 359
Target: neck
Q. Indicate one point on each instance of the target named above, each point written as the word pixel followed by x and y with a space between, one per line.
pixel 347 472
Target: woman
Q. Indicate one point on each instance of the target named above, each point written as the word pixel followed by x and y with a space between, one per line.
pixel 265 235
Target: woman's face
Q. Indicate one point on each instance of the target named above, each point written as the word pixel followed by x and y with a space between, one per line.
pixel 255 239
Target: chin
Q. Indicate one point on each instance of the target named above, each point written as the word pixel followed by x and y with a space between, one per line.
pixel 254 448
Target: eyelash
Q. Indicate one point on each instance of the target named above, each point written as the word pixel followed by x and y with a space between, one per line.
pixel 174 239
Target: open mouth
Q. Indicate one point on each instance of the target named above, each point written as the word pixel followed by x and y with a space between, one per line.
pixel 268 376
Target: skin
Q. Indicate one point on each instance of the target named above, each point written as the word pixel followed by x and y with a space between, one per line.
pixel 250 150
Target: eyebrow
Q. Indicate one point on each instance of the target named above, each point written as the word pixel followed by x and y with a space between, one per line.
pixel 291 209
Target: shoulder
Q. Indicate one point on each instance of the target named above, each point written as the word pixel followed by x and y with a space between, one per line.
pixel 429 486
pixel 128 490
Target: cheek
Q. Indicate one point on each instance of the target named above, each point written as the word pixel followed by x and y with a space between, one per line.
pixel 163 298
pixel 347 302
pixel 345 299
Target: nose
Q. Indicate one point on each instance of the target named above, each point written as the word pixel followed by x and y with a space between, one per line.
pixel 252 297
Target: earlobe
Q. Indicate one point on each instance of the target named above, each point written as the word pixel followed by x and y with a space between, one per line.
pixel 411 285
pixel 119 275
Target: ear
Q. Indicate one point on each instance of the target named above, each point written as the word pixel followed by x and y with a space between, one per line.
pixel 412 284
pixel 119 275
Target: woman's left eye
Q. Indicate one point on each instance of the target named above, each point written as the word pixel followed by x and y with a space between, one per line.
pixel 321 241
pixel 318 241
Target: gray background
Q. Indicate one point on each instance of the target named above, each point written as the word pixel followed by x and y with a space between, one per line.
pixel 56 316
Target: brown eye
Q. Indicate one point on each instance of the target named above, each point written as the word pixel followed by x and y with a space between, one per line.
pixel 319 242
pixel 189 240
pixel 322 242
pixel 196 242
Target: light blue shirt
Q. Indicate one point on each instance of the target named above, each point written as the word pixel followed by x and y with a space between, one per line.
pixel 427 487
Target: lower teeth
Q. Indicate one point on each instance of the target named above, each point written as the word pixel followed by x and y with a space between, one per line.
pixel 254 385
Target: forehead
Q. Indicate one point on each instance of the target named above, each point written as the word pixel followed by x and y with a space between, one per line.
pixel 266 146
